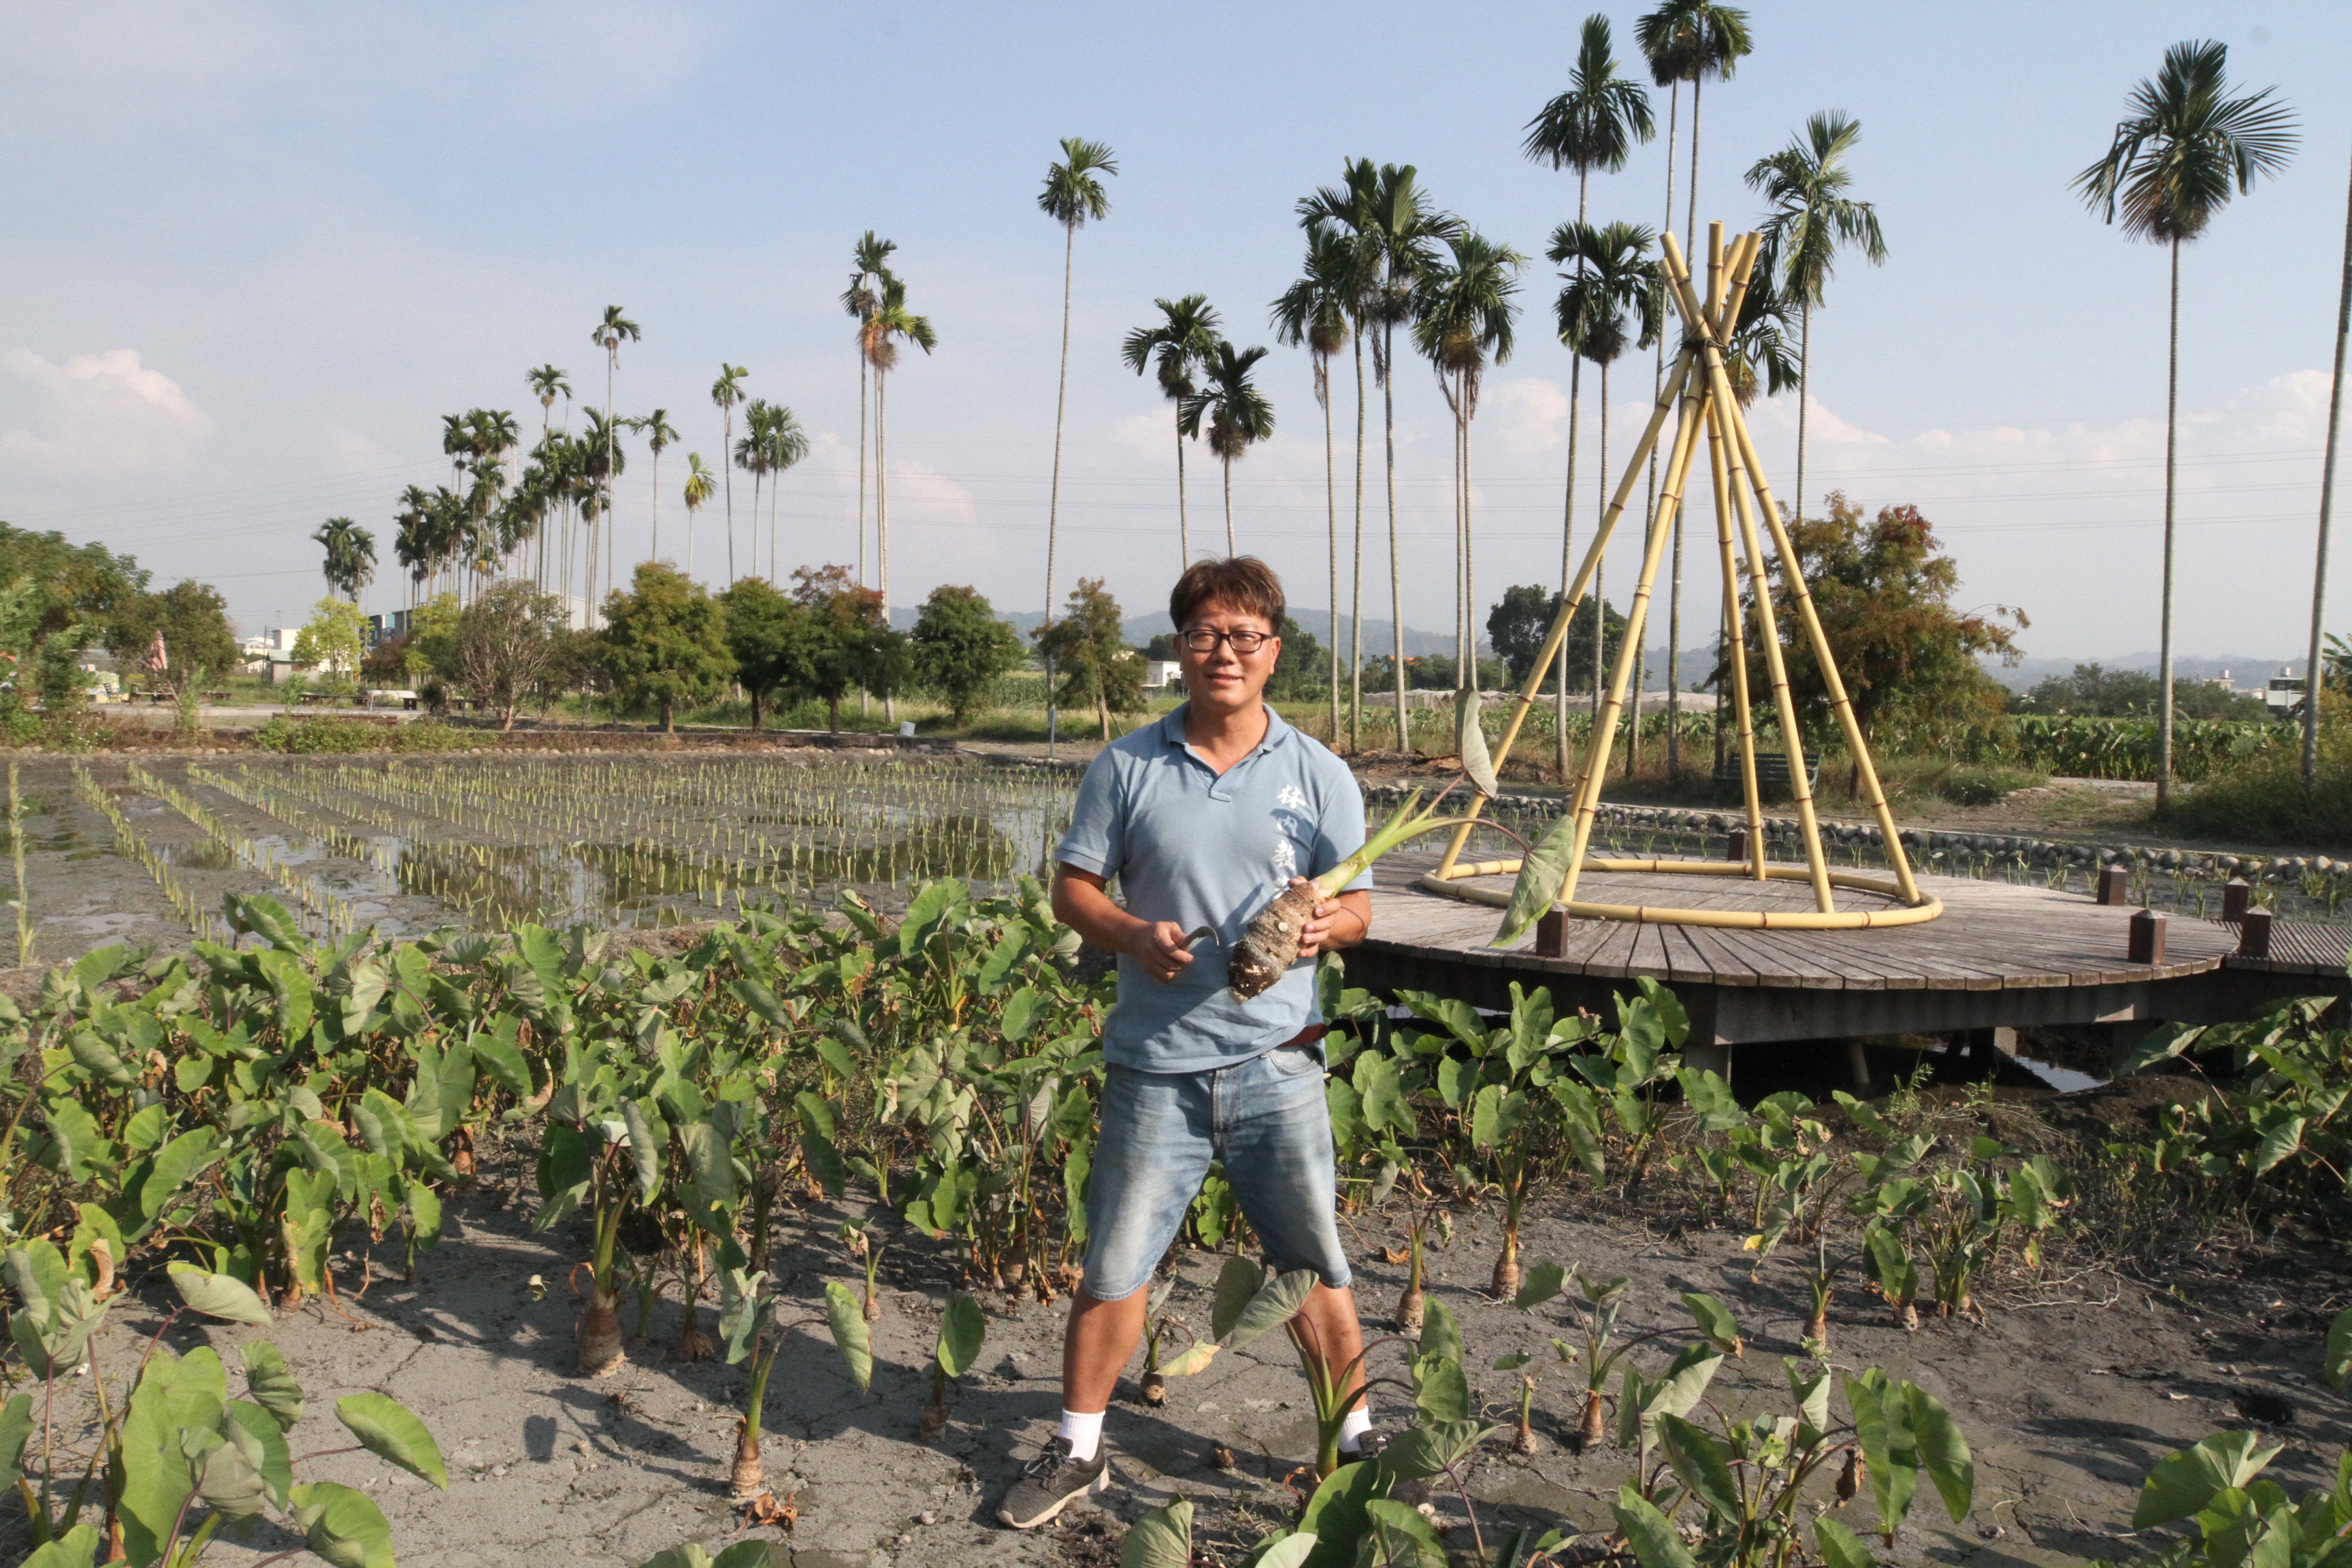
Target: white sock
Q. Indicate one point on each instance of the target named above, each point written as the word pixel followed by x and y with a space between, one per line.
pixel 1352 1427
pixel 1085 1433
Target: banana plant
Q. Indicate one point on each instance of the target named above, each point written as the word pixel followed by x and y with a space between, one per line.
pixel 748 1324
pixel 962 1327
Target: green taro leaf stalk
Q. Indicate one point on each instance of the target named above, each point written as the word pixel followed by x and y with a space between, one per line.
pixel 962 1327
pixel 747 1326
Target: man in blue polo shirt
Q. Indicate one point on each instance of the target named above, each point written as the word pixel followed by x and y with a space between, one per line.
pixel 1203 818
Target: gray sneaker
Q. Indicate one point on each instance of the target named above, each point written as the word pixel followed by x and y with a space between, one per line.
pixel 1050 1482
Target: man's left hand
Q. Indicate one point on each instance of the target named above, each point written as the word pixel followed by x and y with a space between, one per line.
pixel 1334 925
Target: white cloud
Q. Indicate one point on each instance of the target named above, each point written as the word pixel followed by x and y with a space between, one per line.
pixel 103 411
pixel 1526 416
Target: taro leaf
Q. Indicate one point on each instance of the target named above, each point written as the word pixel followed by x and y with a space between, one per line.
pixel 1380 1092
pixel 1237 1282
pixel 386 1429
pixel 271 1384
pixel 1706 1093
pixel 2338 1362
pixel 16 1428
pixel 76 1135
pixel 1887 1448
pixel 1418 1452
pixel 1440 1390
pixel 265 917
pixel 93 1055
pixel 1440 1334
pixel 642 1118
pixel 1686 1377
pixel 424 1211
pixel 1714 1321
pixel 176 1164
pixel 1646 1531
pixel 932 902
pixel 2163 1042
pixel 1290 1552
pixel 1021 1010
pixel 382 1124
pixel 2282 1137
pixel 848 1317
pixel 2183 1483
pixel 1543 1283
pixel 1943 1452
pixel 1542 874
pixel 78 1548
pixel 708 1156
pixel 229 1478
pixel 1470 740
pixel 762 1001
pixel 1161 1539
pixel 1272 1306
pixel 503 1061
pixel 749 1554
pixel 1400 1538
pixel 1194 1360
pixel 1840 1547
pixel 742 1310
pixel 1699 1460
pixel 1812 1398
pixel 962 1329
pixel 1335 1515
pixel 342 1526
pixel 218 1295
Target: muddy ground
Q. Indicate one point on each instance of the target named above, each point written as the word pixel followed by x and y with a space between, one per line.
pixel 2075 1381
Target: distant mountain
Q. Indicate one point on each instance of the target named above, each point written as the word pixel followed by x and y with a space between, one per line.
pixel 2245 671
pixel 1141 630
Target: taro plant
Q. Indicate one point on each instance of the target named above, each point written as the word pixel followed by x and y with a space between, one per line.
pixel 2240 1518
pixel 1158 1366
pixel 1544 1282
pixel 1248 1306
pixel 748 1324
pixel 599 1155
pixel 962 1327
pixel 179 1459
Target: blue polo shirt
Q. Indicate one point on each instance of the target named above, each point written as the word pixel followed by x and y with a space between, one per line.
pixel 1190 846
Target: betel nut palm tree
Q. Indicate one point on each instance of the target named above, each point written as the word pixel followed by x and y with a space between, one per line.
pixel 869 268
pixel 1612 299
pixel 547 384
pixel 1463 314
pixel 1174 347
pixel 1683 41
pixel 609 334
pixel 2183 151
pixel 727 392
pixel 1317 311
pixel 1238 415
pixel 1595 124
pixel 1399 234
pixel 1343 214
pixel 891 325
pixel 660 434
pixel 1071 195
pixel 1811 217
pixel 787 443
pixel 350 564
pixel 700 486
pixel 750 455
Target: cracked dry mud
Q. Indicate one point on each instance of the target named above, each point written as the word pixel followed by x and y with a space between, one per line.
pixel 2067 1393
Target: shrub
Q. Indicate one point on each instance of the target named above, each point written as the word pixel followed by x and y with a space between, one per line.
pixel 2263 799
pixel 325 734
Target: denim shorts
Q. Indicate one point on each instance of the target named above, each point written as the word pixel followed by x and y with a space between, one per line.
pixel 1264 1119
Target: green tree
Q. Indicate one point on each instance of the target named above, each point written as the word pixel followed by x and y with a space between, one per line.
pixel 1239 415
pixel 1611 299
pixel 351 555
pixel 1518 622
pixel 189 624
pixel 665 642
pixel 331 639
pixel 660 436
pixel 1091 657
pixel 1883 591
pixel 505 640
pixel 1316 311
pixel 1298 671
pixel 1073 194
pixel 1811 217
pixel 1464 307
pixel 1175 346
pixel 850 643
pixel 1595 124
pixel 433 637
pixel 2183 151
pixel 698 491
pixel 768 635
pixel 69 584
pixel 961 649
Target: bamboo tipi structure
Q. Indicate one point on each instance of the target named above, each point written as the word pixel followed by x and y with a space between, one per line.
pixel 1697 393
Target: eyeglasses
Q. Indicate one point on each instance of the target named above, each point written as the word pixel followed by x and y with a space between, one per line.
pixel 1200 639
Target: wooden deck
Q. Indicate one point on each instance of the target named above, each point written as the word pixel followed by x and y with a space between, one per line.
pixel 2001 955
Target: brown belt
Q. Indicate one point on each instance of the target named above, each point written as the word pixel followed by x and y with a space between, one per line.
pixel 1311 1034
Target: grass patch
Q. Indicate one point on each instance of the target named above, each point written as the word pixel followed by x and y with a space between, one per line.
pixel 327 735
pixel 2262 800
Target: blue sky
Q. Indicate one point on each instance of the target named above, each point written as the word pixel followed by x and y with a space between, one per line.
pixel 256 250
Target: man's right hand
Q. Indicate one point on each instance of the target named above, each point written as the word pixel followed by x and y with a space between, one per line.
pixel 1160 946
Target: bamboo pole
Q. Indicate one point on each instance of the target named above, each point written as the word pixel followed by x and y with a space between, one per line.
pixel 1784 701
pixel 1735 646
pixel 1596 767
pixel 1811 619
pixel 1683 367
